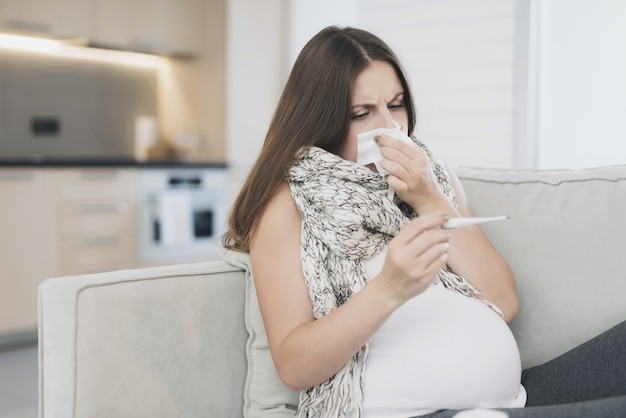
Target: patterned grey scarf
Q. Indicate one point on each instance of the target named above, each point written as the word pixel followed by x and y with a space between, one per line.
pixel 347 217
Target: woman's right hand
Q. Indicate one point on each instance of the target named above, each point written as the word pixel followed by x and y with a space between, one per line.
pixel 415 256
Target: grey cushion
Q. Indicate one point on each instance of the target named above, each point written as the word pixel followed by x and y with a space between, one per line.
pixel 264 395
pixel 565 242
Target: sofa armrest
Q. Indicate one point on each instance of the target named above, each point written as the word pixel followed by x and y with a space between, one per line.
pixel 163 341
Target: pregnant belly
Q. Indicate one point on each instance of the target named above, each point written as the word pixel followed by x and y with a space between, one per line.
pixel 442 350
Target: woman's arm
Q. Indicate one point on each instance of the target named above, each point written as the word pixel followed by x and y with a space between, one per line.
pixel 474 257
pixel 306 351
pixel 471 253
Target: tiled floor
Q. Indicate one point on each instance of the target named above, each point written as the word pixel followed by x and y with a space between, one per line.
pixel 19 392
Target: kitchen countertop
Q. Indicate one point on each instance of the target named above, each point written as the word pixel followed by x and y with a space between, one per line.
pixel 105 163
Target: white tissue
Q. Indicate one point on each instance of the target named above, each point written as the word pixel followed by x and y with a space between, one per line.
pixel 368 151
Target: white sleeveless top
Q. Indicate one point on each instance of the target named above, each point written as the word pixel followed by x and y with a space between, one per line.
pixel 440 350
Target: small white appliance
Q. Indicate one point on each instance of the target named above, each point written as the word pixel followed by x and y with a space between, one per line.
pixel 182 214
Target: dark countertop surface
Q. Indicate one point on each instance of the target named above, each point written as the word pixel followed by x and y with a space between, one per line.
pixel 104 163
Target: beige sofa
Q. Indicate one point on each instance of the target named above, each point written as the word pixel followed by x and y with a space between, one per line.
pixel 187 340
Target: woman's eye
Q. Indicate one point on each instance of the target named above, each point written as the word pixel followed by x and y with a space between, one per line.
pixel 360 115
pixel 396 105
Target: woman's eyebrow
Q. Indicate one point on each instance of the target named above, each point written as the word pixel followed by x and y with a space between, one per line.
pixel 364 105
pixel 398 95
pixel 369 104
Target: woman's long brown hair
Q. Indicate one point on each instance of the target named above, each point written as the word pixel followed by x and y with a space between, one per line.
pixel 314 110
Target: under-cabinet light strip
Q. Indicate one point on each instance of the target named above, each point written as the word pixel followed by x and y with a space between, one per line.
pixel 61 49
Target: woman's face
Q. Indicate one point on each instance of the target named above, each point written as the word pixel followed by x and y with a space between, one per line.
pixel 377 101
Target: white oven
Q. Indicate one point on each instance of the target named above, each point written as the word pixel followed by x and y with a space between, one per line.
pixel 182 214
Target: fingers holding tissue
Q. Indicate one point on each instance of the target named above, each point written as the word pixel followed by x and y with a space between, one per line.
pixel 411 175
pixel 368 150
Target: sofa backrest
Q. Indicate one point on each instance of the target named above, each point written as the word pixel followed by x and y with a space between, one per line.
pixel 565 242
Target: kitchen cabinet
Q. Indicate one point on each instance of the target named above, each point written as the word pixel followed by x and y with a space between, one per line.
pixel 61 221
pixel 55 17
pixel 29 243
pixel 98 220
pixel 161 26
pixel 156 26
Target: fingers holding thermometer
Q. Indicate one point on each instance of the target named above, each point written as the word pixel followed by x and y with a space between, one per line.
pixel 417 253
pixel 415 256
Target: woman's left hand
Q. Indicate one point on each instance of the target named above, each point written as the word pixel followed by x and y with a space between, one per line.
pixel 410 174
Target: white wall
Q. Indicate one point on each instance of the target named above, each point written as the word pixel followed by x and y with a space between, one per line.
pixel 307 17
pixel 581 113
pixel 255 74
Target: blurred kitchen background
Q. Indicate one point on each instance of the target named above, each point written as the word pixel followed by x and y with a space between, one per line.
pixel 127 126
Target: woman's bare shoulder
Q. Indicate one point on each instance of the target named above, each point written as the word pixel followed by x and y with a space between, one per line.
pixel 281 207
pixel 277 266
pixel 280 220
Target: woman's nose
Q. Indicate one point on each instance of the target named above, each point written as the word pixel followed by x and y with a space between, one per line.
pixel 387 120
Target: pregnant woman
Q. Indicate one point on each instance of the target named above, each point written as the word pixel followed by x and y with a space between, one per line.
pixel 371 308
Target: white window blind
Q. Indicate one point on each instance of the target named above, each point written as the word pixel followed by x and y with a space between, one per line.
pixel 582 83
pixel 460 57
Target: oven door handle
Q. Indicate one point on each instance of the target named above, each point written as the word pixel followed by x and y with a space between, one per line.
pixel 104 241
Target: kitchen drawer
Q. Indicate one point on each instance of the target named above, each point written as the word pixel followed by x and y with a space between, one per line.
pixel 99 215
pixel 99 183
pixel 99 248
pixel 99 266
